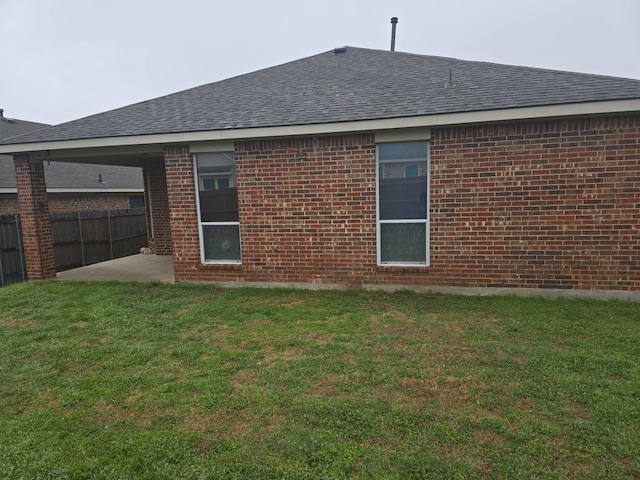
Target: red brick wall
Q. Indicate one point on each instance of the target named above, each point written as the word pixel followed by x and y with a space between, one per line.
pixel 542 204
pixel 156 203
pixel 8 204
pixel 312 219
pixel 60 203
pixel 532 204
pixel 37 236
pixel 183 215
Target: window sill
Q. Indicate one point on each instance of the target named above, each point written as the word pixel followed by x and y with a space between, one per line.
pixel 221 266
pixel 402 268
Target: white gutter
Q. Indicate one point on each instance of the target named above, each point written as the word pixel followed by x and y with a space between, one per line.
pixel 525 113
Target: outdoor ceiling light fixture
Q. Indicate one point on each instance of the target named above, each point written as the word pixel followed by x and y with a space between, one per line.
pixel 301 156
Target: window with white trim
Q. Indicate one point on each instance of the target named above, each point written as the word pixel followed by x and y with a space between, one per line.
pixel 218 207
pixel 403 203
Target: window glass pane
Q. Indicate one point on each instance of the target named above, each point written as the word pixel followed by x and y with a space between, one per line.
pixel 221 242
pixel 218 193
pixel 403 243
pixel 402 187
pixel 402 197
pixel 216 162
pixel 402 151
pixel 411 171
pixel 403 171
pixel 136 201
pixel 219 205
pixel 208 184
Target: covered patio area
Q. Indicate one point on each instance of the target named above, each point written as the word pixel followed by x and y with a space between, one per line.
pixel 40 256
pixel 134 268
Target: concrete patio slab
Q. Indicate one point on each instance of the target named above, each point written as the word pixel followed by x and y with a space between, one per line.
pixel 134 268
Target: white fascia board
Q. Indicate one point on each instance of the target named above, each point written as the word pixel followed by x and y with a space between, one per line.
pixel 449 119
pixel 94 190
pixel 8 190
pixel 550 111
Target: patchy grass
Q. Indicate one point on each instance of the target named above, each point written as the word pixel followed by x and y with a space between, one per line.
pixel 112 380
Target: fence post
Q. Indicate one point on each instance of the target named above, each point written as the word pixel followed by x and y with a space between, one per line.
pixel 110 234
pixel 1 271
pixel 81 237
pixel 23 269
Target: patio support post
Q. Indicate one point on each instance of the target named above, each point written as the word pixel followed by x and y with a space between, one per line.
pixel 182 190
pixel 33 205
pixel 157 204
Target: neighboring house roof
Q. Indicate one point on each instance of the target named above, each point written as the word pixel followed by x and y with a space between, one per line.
pixel 12 127
pixel 64 176
pixel 345 85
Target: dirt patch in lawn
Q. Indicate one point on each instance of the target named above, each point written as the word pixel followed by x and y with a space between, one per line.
pixel 17 323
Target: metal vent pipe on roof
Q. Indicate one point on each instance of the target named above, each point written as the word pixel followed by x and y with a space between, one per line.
pixel 394 22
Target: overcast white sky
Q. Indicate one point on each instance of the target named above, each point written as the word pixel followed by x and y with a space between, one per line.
pixel 66 59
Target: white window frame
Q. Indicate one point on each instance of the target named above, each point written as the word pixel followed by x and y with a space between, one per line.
pixel 202 224
pixel 425 221
pixel 216 179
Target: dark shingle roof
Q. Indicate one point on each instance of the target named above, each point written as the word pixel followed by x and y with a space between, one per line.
pixel 359 84
pixel 78 176
pixel 64 175
pixel 12 127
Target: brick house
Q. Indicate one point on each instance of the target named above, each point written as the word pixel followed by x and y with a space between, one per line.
pixel 359 167
pixel 70 186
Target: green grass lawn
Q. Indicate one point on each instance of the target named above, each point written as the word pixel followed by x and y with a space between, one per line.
pixel 149 381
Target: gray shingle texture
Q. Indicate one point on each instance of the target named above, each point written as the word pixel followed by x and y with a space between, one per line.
pixel 64 175
pixel 360 84
pixel 12 127
pixel 74 176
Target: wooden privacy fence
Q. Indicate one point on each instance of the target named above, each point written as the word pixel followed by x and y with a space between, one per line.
pixel 12 269
pixel 79 238
pixel 83 238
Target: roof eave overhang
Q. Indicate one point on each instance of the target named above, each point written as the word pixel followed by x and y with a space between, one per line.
pixel 75 191
pixel 146 143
